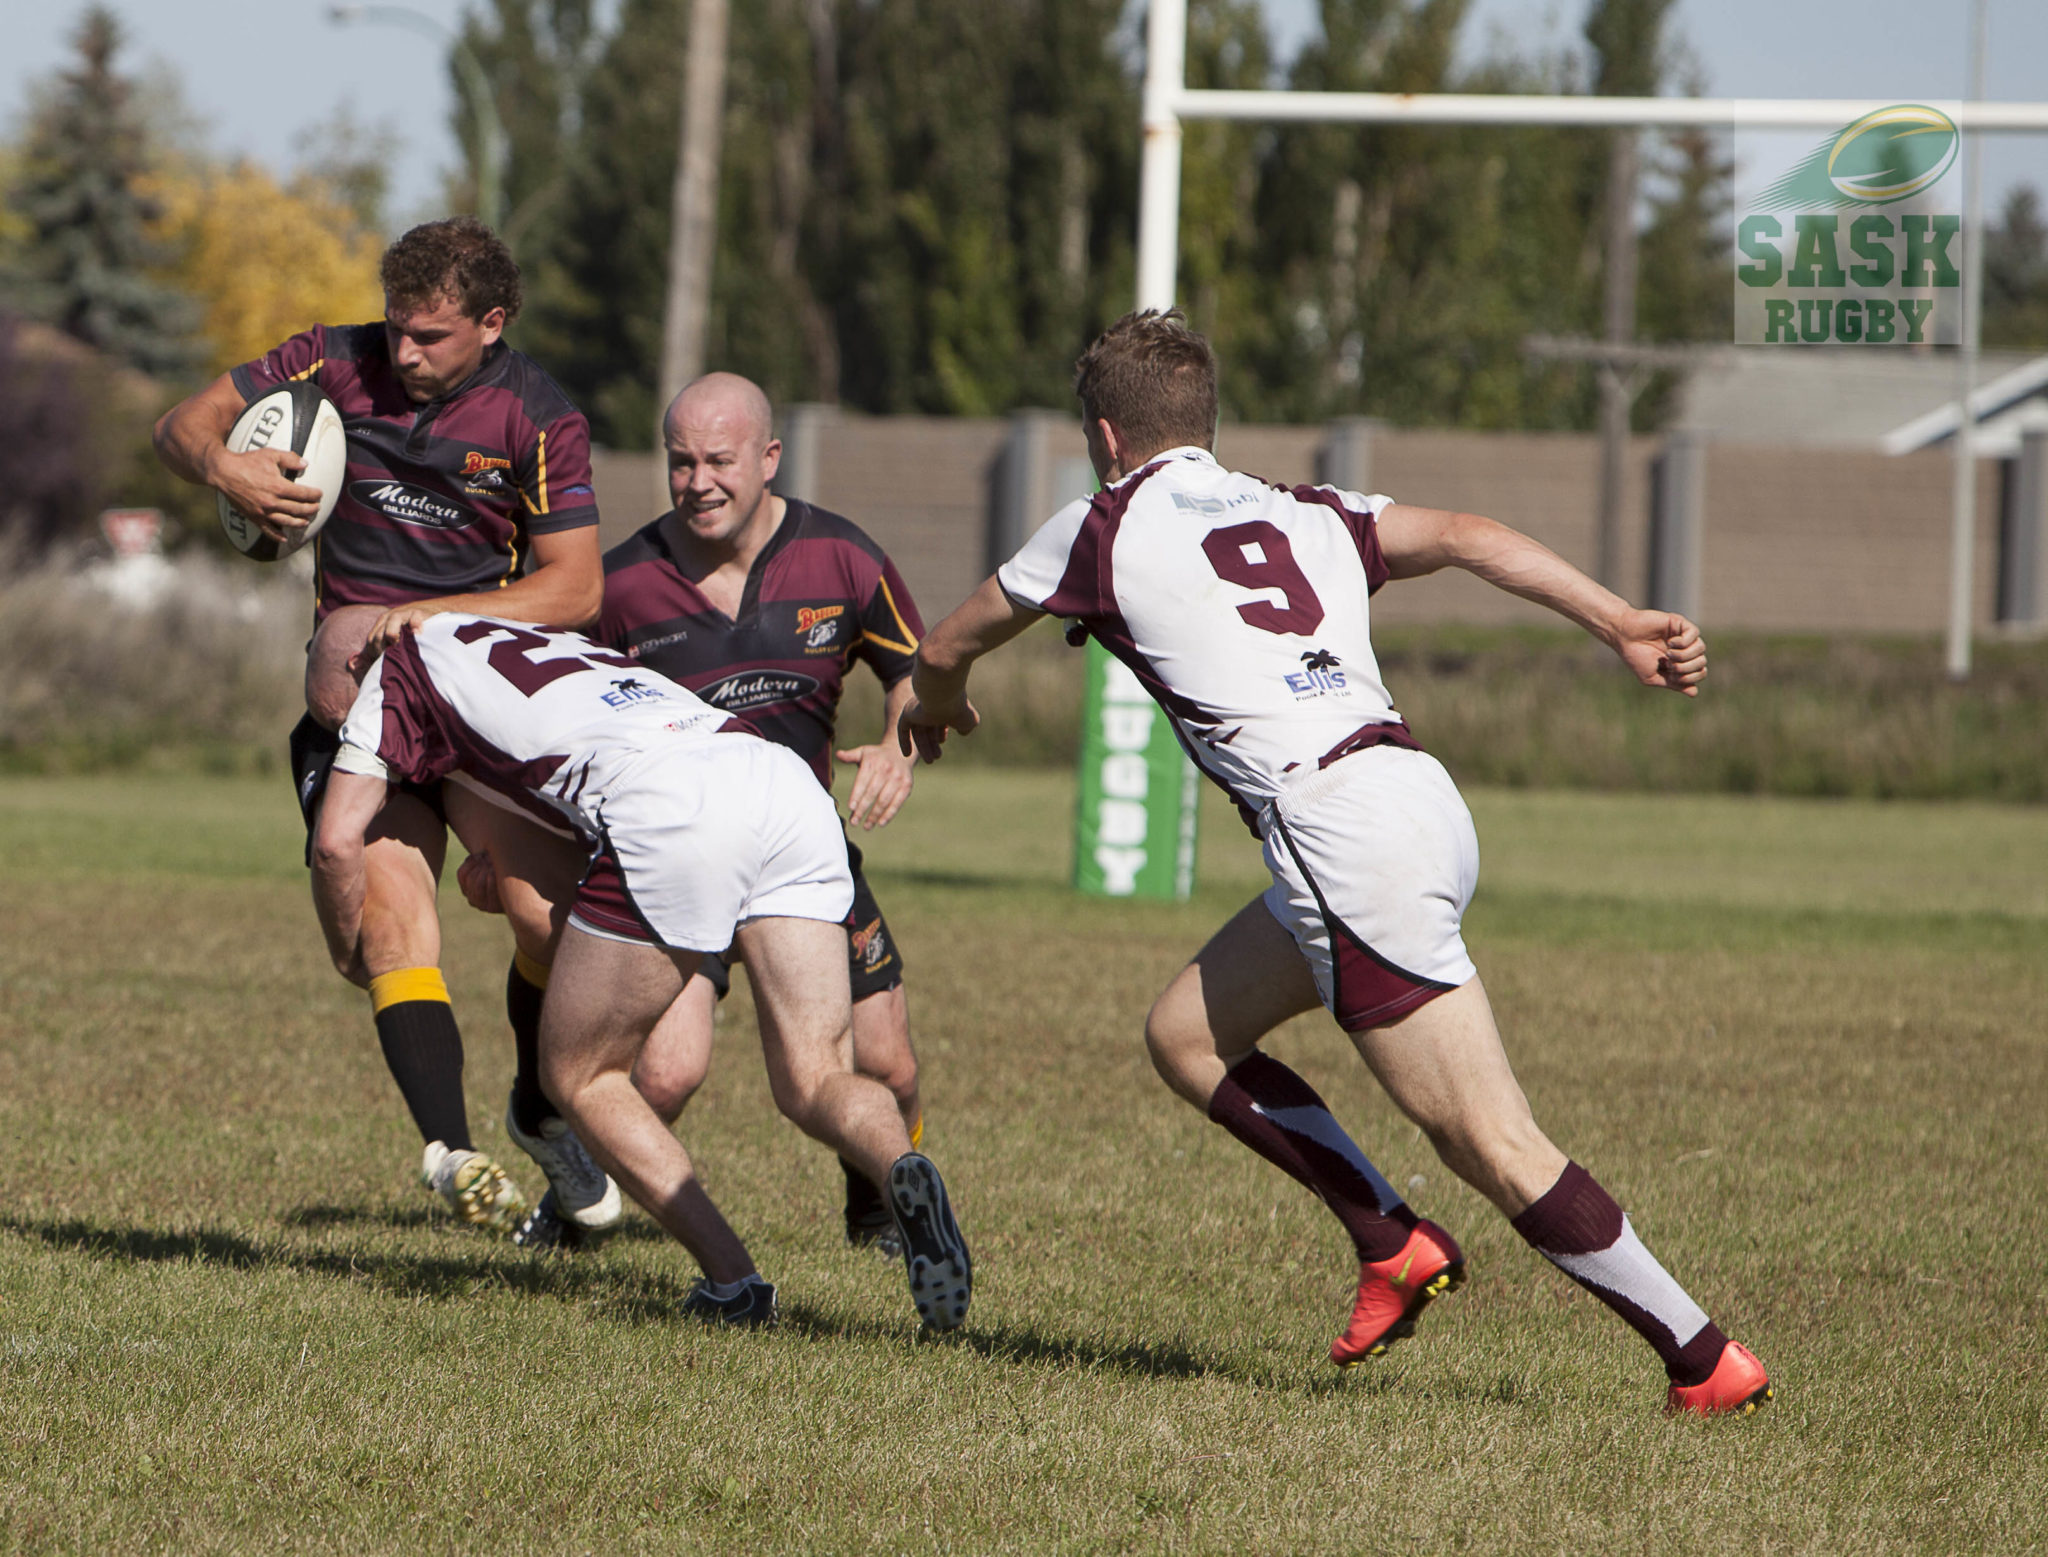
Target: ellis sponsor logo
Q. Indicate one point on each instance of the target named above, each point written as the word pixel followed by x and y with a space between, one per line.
pixel 629 691
pixel 1857 243
pixel 1319 674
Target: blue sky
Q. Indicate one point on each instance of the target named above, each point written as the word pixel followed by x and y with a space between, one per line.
pixel 258 72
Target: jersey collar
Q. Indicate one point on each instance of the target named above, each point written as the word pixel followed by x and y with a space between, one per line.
pixel 1187 451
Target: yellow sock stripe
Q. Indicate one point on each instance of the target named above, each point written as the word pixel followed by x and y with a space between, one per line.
pixel 403 984
pixel 535 973
pixel 917 1132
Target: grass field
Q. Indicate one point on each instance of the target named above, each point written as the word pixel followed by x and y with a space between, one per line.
pixel 1802 1041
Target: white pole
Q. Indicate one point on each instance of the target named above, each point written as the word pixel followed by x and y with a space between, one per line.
pixel 1166 29
pixel 1962 539
pixel 1515 108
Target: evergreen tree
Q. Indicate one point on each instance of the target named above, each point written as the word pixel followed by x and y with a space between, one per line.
pixel 2016 275
pixel 536 55
pixel 89 250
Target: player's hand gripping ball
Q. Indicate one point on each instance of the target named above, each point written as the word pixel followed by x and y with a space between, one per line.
pixel 301 418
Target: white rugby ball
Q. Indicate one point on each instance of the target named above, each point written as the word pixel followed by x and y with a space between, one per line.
pixel 296 416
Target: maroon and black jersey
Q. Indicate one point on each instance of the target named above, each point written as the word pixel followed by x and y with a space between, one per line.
pixel 820 595
pixel 441 498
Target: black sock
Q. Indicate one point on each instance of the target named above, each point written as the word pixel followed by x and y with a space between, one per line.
pixel 526 986
pixel 422 1045
pixel 862 1198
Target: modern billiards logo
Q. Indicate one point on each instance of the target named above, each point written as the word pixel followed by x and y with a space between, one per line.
pixel 1858 242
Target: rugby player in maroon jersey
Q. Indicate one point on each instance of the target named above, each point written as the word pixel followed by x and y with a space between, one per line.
pixel 761 605
pixel 468 488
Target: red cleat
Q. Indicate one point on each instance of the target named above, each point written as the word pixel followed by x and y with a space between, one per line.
pixel 1393 1291
pixel 1738 1384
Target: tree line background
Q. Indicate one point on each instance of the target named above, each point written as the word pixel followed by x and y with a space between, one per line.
pixel 925 206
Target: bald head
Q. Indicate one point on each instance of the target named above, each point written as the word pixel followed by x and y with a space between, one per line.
pixel 734 403
pixel 722 453
pixel 330 684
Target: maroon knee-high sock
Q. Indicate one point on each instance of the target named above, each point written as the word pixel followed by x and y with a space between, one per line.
pixel 1577 1226
pixel 1279 1116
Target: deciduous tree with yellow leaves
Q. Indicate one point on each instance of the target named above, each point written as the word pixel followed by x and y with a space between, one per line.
pixel 264 260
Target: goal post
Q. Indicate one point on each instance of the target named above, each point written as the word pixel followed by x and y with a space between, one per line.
pixel 1168 101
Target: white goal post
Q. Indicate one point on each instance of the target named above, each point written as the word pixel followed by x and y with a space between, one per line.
pixel 1168 101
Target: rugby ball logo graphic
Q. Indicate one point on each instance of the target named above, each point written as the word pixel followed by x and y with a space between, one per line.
pixel 298 417
pixel 1893 154
pixel 1888 155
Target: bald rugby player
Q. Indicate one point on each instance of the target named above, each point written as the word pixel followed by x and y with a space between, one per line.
pixel 762 606
pixel 468 489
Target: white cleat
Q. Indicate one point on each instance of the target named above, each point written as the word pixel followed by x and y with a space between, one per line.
pixel 584 1195
pixel 474 1186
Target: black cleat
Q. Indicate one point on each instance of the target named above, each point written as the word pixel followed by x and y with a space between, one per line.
pixel 750 1308
pixel 934 1253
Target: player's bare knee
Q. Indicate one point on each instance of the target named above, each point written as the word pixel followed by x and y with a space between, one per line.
pixel 1181 1054
pixel 667 1094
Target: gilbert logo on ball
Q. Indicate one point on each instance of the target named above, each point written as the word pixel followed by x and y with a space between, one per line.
pixel 1858 241
pixel 298 417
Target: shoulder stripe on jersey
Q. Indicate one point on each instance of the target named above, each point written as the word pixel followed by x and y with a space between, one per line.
pixel 909 643
pixel 541 447
pixel 318 364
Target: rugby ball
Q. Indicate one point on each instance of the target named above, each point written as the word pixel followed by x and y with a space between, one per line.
pixel 296 416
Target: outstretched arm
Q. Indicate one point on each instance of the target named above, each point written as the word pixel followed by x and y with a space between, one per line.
pixel 1661 647
pixel 884 773
pixel 985 620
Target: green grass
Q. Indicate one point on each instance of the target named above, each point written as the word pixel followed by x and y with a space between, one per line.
pixel 1802 1041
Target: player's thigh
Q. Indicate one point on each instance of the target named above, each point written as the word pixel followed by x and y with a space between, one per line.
pixel 604 997
pixel 797 968
pixel 402 857
pixel 677 1055
pixel 1245 982
pixel 537 870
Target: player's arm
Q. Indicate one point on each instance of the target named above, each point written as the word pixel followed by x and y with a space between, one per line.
pixel 191 440
pixel 886 771
pixel 563 589
pixel 349 806
pixel 985 620
pixel 1661 647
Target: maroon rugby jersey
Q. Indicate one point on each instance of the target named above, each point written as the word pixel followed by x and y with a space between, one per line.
pixel 820 595
pixel 441 498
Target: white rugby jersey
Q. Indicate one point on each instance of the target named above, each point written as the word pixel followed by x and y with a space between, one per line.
pixel 1241 606
pixel 532 717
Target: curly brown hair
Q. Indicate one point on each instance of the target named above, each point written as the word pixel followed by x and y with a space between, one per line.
pixel 459 258
pixel 1153 376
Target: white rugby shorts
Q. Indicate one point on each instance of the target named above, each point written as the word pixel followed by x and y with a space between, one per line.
pixel 697 841
pixel 1374 859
